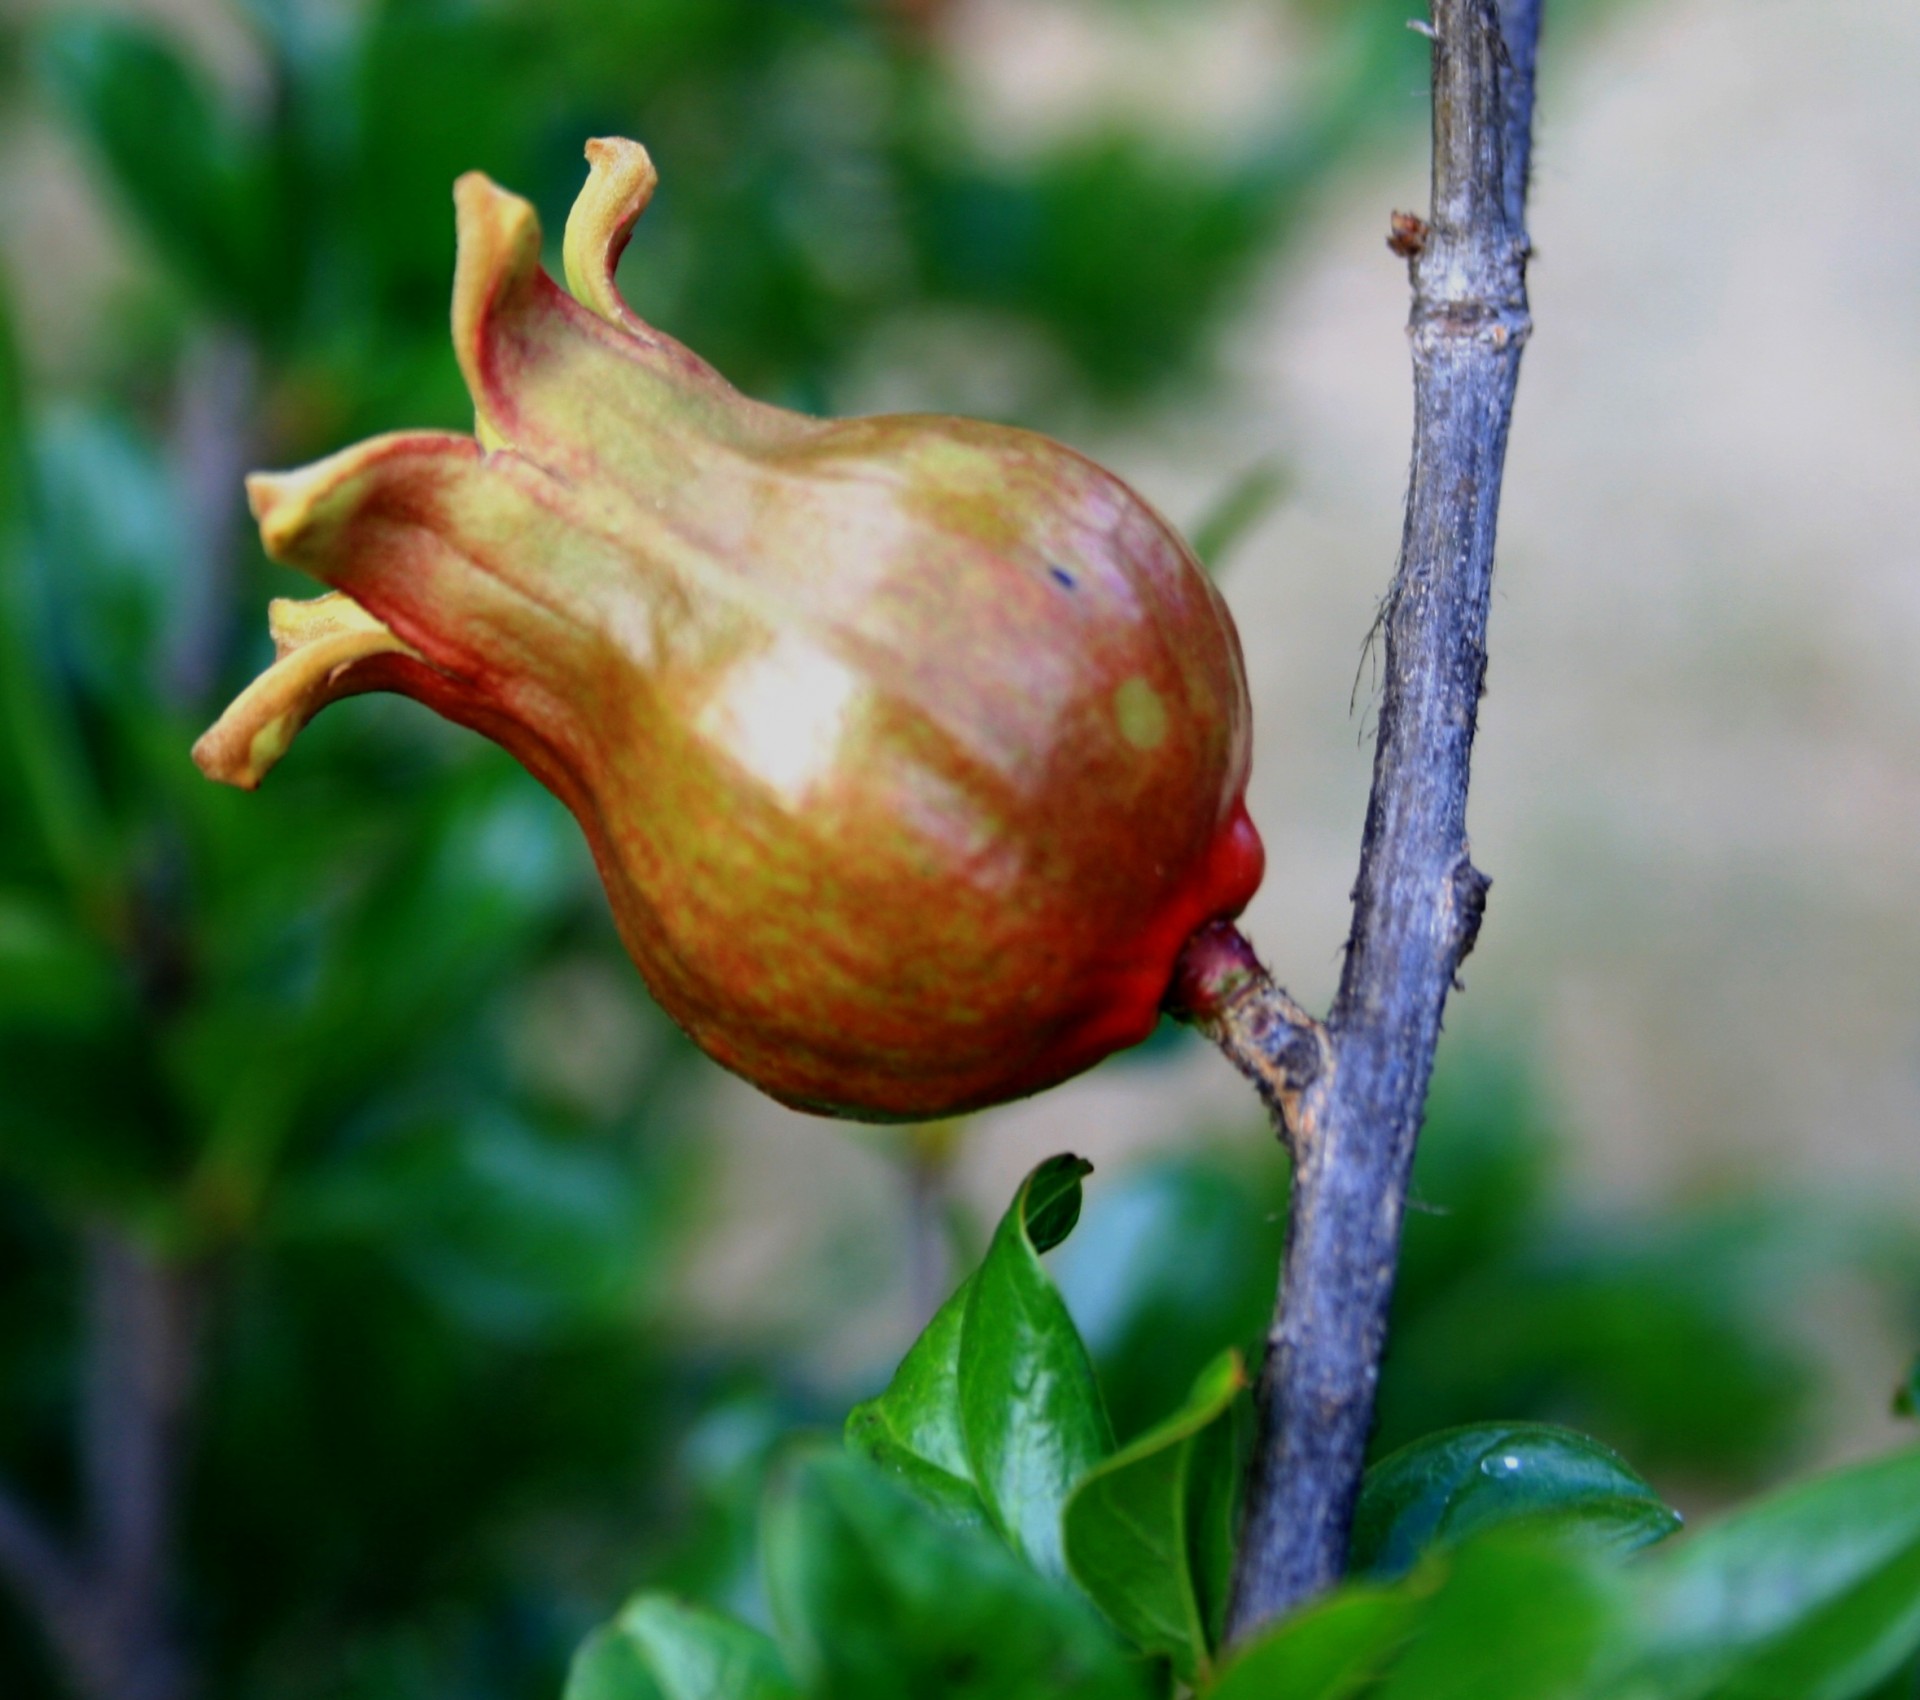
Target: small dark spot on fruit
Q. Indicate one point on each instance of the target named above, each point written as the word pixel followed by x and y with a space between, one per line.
pixel 1062 576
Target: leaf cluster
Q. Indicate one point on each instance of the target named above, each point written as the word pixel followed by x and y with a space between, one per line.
pixel 982 1535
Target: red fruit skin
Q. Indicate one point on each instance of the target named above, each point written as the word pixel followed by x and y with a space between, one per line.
pixel 982 890
pixel 911 749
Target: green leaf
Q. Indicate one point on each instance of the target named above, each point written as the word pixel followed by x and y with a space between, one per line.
pixel 1813 1594
pixel 1217 1475
pixel 952 1497
pixel 1132 1527
pixel 1517 1617
pixel 1030 1408
pixel 877 1597
pixel 1326 1652
pixel 660 1648
pixel 913 1429
pixel 1448 1486
pixel 201 190
pixel 1510 1615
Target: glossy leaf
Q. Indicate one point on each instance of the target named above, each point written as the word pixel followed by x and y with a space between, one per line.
pixel 1813 1594
pixel 1451 1485
pixel 952 1497
pixel 1507 1616
pixel 1132 1528
pixel 876 1597
pixel 913 1428
pixel 1327 1652
pixel 1030 1408
pixel 660 1648
pixel 1516 1617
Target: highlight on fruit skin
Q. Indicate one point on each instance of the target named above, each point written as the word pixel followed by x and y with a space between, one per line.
pixel 911 749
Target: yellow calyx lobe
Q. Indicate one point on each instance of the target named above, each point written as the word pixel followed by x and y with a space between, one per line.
pixel 911 749
pixel 619 186
pixel 321 648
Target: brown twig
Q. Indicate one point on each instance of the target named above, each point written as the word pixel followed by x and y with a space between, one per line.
pixel 1349 1097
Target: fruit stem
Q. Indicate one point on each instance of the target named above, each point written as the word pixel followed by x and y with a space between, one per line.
pixel 1221 988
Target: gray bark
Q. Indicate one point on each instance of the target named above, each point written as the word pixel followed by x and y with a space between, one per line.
pixel 1349 1094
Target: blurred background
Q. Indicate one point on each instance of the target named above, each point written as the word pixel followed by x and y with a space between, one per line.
pixel 386 1289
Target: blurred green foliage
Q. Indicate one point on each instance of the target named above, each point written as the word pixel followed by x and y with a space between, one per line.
pixel 821 176
pixel 1663 1336
pixel 324 1062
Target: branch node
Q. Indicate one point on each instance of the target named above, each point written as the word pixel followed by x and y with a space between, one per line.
pixel 1469 887
pixel 1407 235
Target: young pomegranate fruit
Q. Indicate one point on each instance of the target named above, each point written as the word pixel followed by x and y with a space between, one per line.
pixel 911 749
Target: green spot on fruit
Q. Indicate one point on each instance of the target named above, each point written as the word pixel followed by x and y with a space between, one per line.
pixel 1141 713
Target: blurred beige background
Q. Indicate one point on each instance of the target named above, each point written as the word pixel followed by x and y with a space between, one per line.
pixel 1698 780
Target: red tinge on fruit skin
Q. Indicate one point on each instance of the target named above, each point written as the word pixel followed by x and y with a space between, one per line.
pixel 911 749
